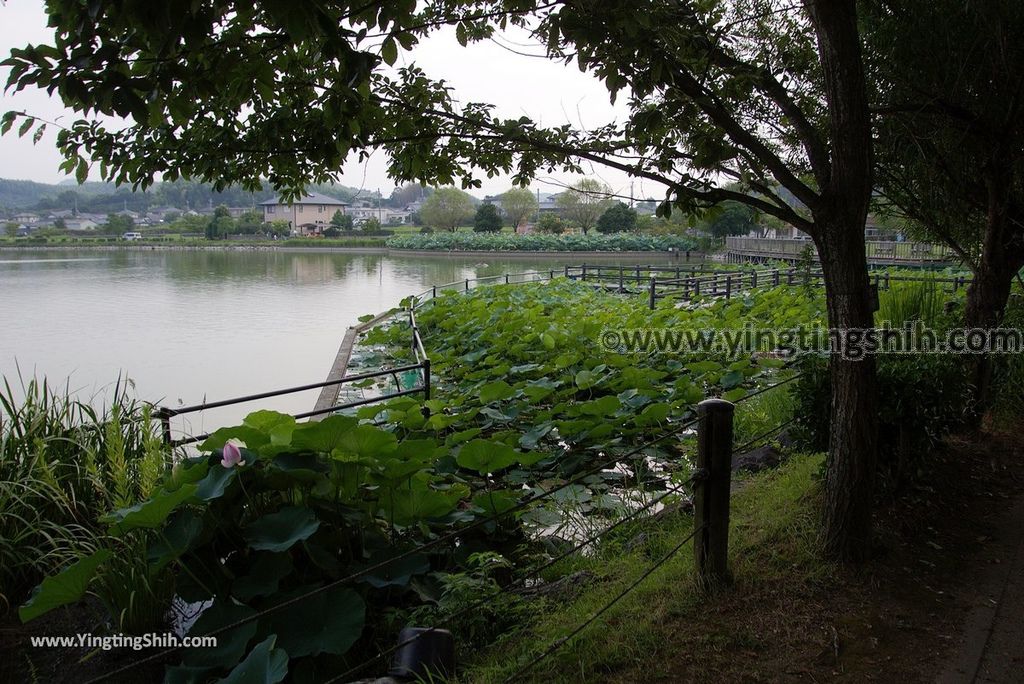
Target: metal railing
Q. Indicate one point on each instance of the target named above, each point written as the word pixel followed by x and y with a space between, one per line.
pixel 727 284
pixel 877 250
pixel 164 414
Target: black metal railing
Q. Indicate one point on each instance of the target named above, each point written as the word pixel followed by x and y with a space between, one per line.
pixel 164 414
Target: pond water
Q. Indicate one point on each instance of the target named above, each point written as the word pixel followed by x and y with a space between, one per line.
pixel 193 326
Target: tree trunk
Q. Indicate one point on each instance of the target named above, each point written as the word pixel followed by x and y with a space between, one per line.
pixel 839 235
pixel 852 452
pixel 1002 256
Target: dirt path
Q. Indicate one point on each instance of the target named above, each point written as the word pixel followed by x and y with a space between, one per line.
pixel 943 600
pixel 991 646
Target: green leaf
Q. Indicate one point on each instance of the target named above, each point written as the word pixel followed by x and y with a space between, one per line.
pixel 654 413
pixel 602 406
pixel 324 436
pixel 250 436
pixel 65 587
pixel 367 441
pixel 421 502
pixel 498 501
pixel 397 573
pixel 485 456
pixel 281 530
pixel 328 623
pixel 735 394
pixel 151 512
pixel 265 573
pixel 231 643
pixel 586 379
pixel 389 51
pixel 215 483
pixel 264 665
pixel 731 379
pixel 704 367
pixel 276 426
pixel 175 539
pixel 496 391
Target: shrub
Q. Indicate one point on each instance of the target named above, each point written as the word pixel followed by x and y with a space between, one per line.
pixel 487 219
pixel 920 399
pixel 550 223
pixel 464 241
pixel 618 218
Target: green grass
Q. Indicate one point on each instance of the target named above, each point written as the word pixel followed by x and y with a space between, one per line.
pixel 772 539
pixel 63 463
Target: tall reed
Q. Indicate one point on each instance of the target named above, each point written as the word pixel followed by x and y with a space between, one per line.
pixel 63 463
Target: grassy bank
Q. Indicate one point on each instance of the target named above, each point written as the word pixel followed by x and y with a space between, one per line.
pixel 773 534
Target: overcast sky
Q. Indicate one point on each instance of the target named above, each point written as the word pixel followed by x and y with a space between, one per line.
pixel 550 92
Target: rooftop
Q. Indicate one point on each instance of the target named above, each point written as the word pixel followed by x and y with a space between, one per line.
pixel 313 198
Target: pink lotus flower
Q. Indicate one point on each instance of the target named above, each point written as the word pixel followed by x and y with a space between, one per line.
pixel 231 454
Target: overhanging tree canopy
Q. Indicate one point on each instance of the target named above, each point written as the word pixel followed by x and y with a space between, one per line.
pixel 758 92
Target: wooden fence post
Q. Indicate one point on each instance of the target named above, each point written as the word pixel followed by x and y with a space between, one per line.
pixel 711 495
pixel 652 296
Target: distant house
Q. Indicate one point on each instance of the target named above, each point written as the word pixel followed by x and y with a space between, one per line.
pixel 80 223
pixel 309 215
pixel 386 215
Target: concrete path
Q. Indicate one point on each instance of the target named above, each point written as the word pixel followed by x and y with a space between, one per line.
pixel 992 644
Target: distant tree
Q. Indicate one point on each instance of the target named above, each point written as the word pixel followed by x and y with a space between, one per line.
pixel 549 222
pixel 11 229
pixel 332 232
pixel 172 216
pixel 117 224
pixel 280 228
pixel 448 208
pixel 732 218
pixel 487 219
pixel 618 218
pixel 250 223
pixel 584 202
pixel 406 194
pixel 60 224
pixel 371 225
pixel 645 223
pixel 519 204
pixel 341 221
pixel 415 218
pixel 220 224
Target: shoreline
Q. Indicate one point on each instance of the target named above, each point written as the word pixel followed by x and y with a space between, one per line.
pixel 377 251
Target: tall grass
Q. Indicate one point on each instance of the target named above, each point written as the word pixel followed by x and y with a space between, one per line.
pixel 911 301
pixel 63 463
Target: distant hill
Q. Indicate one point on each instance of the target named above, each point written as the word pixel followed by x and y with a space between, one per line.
pixel 105 198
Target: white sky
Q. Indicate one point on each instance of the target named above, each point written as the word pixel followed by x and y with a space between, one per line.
pixel 549 92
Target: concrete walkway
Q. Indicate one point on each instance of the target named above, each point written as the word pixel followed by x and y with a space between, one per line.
pixel 992 644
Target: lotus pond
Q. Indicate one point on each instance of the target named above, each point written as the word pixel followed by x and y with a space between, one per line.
pixel 286 543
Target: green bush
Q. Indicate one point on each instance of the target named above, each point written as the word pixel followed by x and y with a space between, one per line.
pixel 464 241
pixel 920 399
